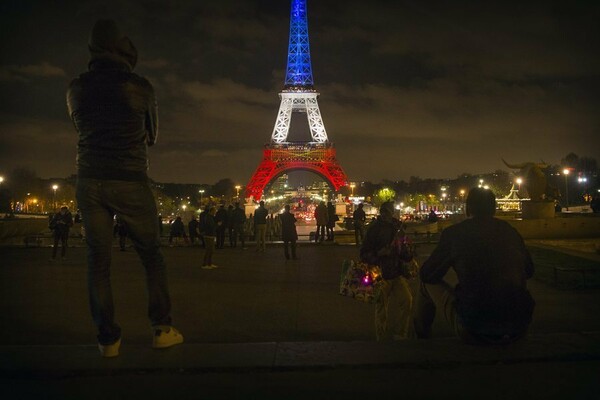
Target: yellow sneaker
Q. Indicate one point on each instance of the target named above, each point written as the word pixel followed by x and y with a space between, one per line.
pixel 165 336
pixel 110 350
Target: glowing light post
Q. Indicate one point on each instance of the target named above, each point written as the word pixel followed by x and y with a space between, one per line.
pixel 237 194
pixel 1 179
pixel 583 180
pixel 201 191
pixel 462 200
pixel 444 194
pixel 54 188
pixel 519 181
pixel 566 173
pixel 352 186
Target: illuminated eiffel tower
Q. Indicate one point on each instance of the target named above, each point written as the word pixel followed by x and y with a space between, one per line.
pixel 298 95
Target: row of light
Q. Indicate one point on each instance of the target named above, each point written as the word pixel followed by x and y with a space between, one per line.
pixel 54 187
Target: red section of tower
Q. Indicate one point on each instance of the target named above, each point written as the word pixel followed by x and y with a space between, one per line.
pixel 280 158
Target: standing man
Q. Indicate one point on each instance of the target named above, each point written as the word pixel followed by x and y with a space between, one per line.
pixel 210 237
pixel 115 114
pixel 491 303
pixel 61 224
pixel 359 217
pixel 230 224
pixel 221 220
pixel 202 224
pixel 238 220
pixel 177 231
pixel 321 216
pixel 193 229
pixel 260 226
pixel 332 218
pixel 289 235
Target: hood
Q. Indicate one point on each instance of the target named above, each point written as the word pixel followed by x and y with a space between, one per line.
pixel 108 44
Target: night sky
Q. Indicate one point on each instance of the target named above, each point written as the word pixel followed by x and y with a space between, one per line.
pixel 408 88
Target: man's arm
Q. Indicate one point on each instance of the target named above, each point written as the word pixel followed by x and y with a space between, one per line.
pixel 437 265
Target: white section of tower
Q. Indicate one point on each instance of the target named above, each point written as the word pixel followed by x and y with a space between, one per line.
pixel 299 102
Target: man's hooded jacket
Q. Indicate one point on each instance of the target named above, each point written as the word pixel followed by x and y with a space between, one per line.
pixel 113 109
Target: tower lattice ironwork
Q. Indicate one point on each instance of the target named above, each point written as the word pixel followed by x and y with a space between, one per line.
pixel 298 95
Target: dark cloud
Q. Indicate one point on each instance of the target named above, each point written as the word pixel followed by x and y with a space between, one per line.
pixel 407 88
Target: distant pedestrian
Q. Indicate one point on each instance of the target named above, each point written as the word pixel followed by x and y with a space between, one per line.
pixel 289 235
pixel 193 229
pixel 177 231
pixel 222 222
pixel 202 224
pixel 595 204
pixel 322 218
pixel 332 218
pixel 210 238
pixel 61 224
pixel 230 224
pixel 260 226
pixel 432 217
pixel 120 230
pixel 238 220
pixel 115 114
pixel 359 218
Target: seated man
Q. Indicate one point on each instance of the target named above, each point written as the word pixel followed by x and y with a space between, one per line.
pixel 491 303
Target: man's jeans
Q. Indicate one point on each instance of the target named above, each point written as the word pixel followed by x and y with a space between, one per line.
pixel 261 233
pixel 133 202
pixel 359 232
pixel 62 237
pixel 441 297
pixel 432 297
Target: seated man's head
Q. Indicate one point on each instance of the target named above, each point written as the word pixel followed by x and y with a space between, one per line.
pixel 481 203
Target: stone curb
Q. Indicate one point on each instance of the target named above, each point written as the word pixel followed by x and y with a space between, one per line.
pixel 84 360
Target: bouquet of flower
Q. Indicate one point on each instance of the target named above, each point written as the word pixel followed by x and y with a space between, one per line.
pixel 360 281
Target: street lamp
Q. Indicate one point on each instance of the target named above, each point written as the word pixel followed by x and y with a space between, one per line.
pixel 583 180
pixel 54 188
pixel 566 173
pixel 352 186
pixel 183 207
pixel 237 188
pixel 201 191
pixel 519 181
pixel 1 179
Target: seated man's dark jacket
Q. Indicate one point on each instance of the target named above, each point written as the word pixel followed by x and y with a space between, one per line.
pixel 492 265
pixel 115 113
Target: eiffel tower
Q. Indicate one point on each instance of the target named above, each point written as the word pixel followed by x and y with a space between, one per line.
pixel 298 95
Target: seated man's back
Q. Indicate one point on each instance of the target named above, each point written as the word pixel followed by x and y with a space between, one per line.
pixel 492 264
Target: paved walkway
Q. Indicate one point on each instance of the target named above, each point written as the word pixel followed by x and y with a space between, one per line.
pixel 259 325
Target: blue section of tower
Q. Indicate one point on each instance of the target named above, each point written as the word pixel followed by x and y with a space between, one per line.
pixel 299 69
